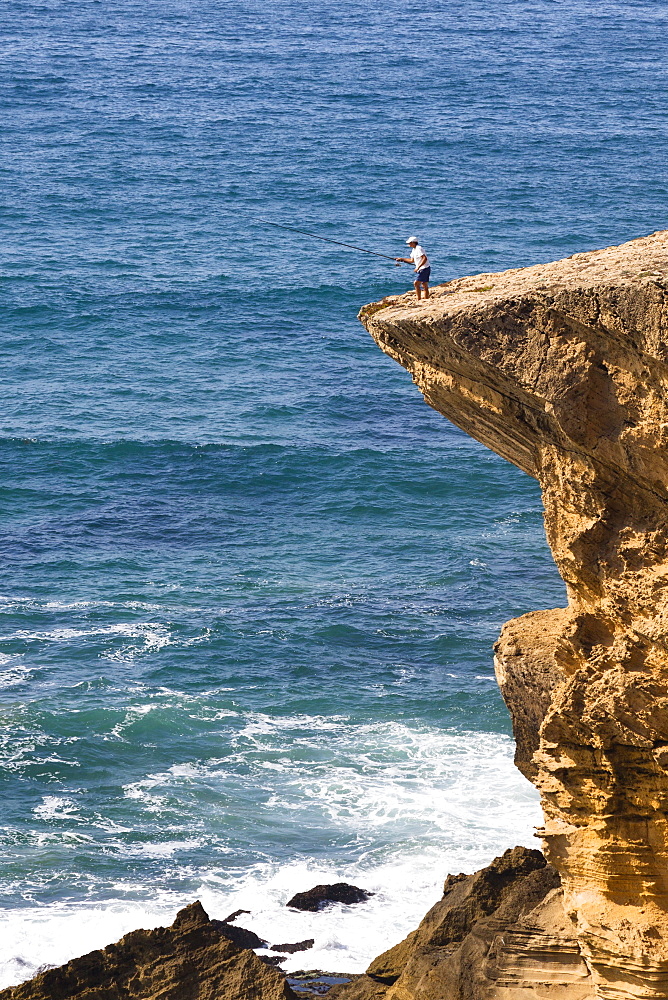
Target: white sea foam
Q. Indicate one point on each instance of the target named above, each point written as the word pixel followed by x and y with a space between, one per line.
pixel 8 603
pixel 147 637
pixel 132 629
pixel 346 937
pixel 419 780
pixel 131 716
pixel 55 807
pixel 412 803
pixel 13 673
pixel 161 850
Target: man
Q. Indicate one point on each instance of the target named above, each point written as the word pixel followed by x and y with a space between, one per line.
pixel 421 263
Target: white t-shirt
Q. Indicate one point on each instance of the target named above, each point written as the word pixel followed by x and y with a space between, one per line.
pixel 416 253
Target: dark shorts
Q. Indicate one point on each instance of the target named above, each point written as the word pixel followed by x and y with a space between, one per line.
pixel 422 275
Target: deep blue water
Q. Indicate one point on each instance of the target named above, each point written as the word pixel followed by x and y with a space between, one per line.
pixel 250 582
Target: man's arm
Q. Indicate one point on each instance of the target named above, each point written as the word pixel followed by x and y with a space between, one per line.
pixel 421 263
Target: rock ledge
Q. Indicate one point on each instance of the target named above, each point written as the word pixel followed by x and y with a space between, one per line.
pixel 562 369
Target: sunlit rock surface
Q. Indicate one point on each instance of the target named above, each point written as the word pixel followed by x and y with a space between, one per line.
pixel 562 368
pixel 191 960
pixel 500 932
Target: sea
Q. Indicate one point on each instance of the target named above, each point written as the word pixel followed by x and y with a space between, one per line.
pixel 249 581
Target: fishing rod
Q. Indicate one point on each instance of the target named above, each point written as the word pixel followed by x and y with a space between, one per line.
pixel 325 240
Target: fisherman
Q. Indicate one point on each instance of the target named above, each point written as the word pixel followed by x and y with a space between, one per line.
pixel 421 263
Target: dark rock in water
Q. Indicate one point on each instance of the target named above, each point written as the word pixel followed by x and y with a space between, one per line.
pixel 321 895
pixel 272 959
pixel 292 948
pixel 233 916
pixel 500 932
pixel 240 936
pixel 191 960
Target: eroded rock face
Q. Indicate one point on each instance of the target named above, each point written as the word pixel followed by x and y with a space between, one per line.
pixel 563 369
pixel 191 960
pixel 499 934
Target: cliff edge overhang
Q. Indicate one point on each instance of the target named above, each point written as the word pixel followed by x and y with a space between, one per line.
pixel 562 369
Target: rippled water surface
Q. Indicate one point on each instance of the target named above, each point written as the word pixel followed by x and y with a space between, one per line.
pixel 249 581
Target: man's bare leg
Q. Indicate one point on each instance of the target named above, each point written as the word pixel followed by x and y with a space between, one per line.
pixel 425 287
pixel 416 286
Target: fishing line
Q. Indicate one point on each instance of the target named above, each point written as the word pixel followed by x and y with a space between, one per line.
pixel 325 240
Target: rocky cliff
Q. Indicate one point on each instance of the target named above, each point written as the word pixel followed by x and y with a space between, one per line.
pixel 562 369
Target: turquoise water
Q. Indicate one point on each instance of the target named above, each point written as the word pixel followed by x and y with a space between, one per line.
pixel 250 582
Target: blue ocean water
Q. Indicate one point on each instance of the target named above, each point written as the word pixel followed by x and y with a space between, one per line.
pixel 249 581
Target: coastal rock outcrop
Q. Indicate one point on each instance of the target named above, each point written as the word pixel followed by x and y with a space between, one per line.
pixel 191 960
pixel 497 933
pixel 562 369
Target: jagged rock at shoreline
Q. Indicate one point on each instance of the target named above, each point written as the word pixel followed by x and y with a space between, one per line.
pixel 322 895
pixel 562 368
pixel 491 935
pixel 191 960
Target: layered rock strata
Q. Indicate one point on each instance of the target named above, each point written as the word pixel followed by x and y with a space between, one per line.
pixel 500 933
pixel 191 960
pixel 562 369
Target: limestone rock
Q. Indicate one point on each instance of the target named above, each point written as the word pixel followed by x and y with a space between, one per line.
pixel 499 934
pixel 361 988
pixel 562 369
pixel 244 938
pixel 528 672
pixel 466 900
pixel 190 960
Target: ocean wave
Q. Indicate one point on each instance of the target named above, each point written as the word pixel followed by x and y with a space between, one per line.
pixel 55 807
pixel 407 782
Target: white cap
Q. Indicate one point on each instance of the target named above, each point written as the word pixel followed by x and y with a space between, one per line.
pixel 412 239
